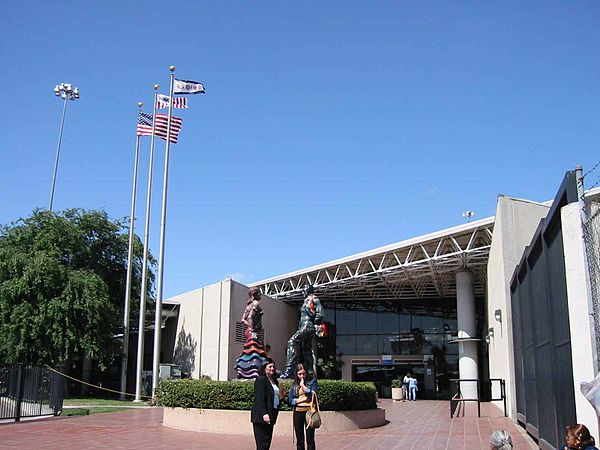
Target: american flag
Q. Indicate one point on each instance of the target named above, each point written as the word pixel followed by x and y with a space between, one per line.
pixel 162 101
pixel 144 127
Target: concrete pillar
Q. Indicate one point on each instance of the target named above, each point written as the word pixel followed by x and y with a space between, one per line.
pixel 467 350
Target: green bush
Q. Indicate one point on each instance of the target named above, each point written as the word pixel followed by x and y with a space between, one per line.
pixel 397 383
pixel 334 395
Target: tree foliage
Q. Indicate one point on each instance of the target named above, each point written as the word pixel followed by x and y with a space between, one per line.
pixel 62 286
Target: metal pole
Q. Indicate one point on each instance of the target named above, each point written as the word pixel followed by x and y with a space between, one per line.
pixel 580 193
pixel 161 254
pixel 144 294
pixel 62 122
pixel 125 355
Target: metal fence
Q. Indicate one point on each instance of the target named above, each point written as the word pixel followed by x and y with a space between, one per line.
pixel 591 236
pixel 544 385
pixel 30 392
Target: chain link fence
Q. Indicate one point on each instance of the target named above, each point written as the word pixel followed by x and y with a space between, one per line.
pixel 591 235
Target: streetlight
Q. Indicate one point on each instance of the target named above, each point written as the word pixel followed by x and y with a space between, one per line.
pixel 67 92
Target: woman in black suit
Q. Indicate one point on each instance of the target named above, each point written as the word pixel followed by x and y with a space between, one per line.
pixel 266 405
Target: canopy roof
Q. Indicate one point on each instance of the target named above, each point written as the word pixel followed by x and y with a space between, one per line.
pixel 412 270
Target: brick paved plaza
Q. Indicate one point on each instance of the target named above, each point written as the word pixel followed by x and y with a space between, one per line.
pixel 412 425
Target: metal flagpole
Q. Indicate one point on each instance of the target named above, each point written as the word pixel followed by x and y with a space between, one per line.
pixel 62 122
pixel 161 253
pixel 144 288
pixel 124 357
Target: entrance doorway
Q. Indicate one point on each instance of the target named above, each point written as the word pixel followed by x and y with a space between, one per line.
pixel 382 375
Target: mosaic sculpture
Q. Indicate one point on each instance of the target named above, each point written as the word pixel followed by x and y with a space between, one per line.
pixel 253 354
pixel 302 344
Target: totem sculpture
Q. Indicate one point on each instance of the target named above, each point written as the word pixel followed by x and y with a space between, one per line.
pixel 303 343
pixel 253 355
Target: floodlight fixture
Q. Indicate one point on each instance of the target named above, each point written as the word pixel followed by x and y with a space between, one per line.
pixel 64 91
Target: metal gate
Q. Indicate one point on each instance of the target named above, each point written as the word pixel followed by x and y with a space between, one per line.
pixel 542 340
pixel 30 392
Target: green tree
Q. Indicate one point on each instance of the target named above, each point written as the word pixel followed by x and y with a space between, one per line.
pixel 62 286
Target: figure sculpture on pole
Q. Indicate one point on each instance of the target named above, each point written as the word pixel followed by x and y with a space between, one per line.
pixel 302 345
pixel 253 355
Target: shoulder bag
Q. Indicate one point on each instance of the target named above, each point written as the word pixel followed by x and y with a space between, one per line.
pixel 313 415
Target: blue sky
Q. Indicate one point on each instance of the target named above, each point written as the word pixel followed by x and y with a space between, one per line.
pixel 328 128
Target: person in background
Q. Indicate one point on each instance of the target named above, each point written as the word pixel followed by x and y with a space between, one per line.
pixel 405 381
pixel 300 396
pixel 578 437
pixel 501 440
pixel 266 405
pixel 412 388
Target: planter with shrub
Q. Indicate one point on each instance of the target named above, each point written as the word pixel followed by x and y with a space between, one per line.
pixel 397 389
pixel 224 406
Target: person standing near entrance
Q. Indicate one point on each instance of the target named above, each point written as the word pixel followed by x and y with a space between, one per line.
pixel 266 405
pixel 412 388
pixel 405 381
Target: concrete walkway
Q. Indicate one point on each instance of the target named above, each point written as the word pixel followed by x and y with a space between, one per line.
pixel 412 425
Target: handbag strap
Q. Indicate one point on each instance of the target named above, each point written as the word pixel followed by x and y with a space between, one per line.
pixel 315 400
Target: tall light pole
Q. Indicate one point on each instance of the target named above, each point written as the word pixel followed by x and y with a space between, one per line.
pixel 67 92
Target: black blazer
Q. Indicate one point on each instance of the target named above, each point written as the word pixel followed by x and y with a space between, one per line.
pixel 263 401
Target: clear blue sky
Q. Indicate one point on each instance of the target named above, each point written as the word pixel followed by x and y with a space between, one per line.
pixel 328 128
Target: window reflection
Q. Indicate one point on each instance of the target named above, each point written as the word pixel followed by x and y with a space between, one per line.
pixel 367 345
pixel 366 322
pixel 345 322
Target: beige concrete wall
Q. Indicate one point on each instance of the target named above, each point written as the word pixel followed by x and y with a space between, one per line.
pixel 203 330
pixel 189 331
pixel 205 337
pixel 515 223
pixel 580 312
pixel 279 323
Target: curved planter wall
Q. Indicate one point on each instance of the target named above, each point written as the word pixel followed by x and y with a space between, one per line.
pixel 238 422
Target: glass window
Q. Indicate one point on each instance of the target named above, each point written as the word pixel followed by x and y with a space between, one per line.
pixel 345 322
pixel 346 344
pixel 329 315
pixel 366 344
pixel 366 322
pixel 450 325
pixel 404 322
pixel 415 322
pixel 432 324
pixel 387 322
pixel 387 344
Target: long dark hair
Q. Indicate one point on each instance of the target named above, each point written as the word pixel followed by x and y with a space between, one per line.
pixel 296 383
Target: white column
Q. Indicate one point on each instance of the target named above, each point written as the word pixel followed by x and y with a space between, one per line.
pixel 583 351
pixel 467 350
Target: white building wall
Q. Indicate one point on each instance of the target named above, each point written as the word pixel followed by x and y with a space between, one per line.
pixel 580 312
pixel 515 223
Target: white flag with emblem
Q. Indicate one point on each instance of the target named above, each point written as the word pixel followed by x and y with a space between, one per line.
pixel 188 87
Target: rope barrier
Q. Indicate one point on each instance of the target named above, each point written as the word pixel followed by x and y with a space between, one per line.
pixel 92 385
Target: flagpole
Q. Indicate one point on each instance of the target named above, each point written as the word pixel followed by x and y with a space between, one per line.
pixel 161 252
pixel 125 354
pixel 144 287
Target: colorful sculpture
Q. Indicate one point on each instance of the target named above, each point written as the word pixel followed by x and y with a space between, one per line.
pixel 253 354
pixel 303 343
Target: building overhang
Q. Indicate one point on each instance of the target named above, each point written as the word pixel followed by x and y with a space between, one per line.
pixel 409 271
